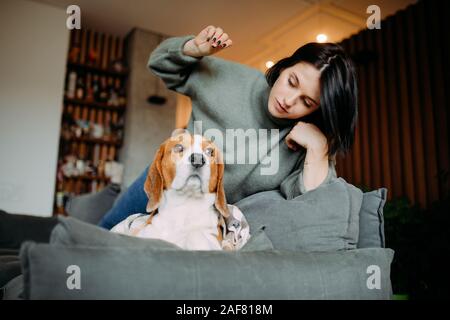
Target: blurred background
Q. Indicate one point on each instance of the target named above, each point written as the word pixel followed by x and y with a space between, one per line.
pixel 75 113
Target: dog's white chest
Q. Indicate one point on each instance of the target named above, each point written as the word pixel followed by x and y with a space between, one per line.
pixel 190 223
pixel 191 226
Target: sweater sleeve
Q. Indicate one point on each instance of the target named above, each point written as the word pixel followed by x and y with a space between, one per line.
pixel 196 76
pixel 293 186
pixel 169 63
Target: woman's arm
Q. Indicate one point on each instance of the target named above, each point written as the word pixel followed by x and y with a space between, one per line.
pixel 317 167
pixel 169 63
pixel 175 58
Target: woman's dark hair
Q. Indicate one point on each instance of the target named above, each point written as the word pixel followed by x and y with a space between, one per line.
pixel 338 94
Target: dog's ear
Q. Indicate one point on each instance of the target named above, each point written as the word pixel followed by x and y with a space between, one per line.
pixel 221 201
pixel 154 184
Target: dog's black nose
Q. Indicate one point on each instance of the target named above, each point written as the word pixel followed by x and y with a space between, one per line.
pixel 197 160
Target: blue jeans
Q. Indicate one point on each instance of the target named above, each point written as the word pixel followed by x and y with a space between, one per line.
pixel 134 200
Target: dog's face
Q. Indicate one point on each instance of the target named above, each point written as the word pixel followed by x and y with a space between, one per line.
pixel 186 163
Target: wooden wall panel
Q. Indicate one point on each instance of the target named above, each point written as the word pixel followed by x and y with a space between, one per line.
pixel 435 43
pixel 426 104
pixel 415 106
pixel 383 150
pixel 404 105
pixel 373 113
pixel 402 136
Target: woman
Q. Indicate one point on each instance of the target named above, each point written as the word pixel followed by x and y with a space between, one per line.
pixel 308 99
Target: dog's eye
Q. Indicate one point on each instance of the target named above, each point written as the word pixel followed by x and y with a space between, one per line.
pixel 209 152
pixel 178 148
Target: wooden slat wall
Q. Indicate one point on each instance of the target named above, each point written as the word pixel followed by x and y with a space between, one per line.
pixel 402 137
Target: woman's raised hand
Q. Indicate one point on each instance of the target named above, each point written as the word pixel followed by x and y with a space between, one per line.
pixel 209 41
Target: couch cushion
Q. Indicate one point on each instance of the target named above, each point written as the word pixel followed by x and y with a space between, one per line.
pixel 17 228
pixel 136 273
pixel 92 207
pixel 9 268
pixel 73 232
pixel 323 219
pixel 371 219
pixel 13 289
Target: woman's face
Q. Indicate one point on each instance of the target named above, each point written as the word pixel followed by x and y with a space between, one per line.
pixel 296 92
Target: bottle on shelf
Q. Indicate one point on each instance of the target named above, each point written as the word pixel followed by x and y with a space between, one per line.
pixel 68 123
pixel 80 92
pixel 92 51
pixel 98 48
pixel 83 47
pixel 77 131
pixel 71 85
pixel 96 88
pixel 105 53
pixel 60 202
pixel 80 162
pixel 113 99
pixel 92 118
pixel 59 196
pixel 118 63
pixel 98 130
pixel 102 160
pixel 115 93
pixel 107 126
pixel 84 123
pixel 68 166
pixel 117 124
pixel 89 88
pixel 112 51
pixel 75 48
pixel 120 128
pixel 103 96
pixel 95 156
pixel 122 92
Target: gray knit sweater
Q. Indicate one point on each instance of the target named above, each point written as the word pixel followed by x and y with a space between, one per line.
pixel 229 97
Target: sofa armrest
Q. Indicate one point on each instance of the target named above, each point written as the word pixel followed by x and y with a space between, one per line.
pixel 130 273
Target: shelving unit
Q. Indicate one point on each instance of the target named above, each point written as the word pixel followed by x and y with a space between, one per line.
pixel 92 121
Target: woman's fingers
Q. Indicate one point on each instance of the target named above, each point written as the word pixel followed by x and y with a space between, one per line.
pixel 227 43
pixel 216 37
pixel 211 31
pixel 223 38
pixel 212 39
pixel 203 35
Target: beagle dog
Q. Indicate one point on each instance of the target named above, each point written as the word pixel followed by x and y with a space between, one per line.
pixel 186 199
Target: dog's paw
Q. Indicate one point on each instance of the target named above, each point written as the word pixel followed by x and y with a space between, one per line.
pixel 227 246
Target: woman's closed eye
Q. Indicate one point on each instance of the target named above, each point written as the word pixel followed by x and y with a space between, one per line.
pixel 304 100
pixel 291 83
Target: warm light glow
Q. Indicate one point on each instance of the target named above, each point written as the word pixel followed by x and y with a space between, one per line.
pixel 321 38
pixel 269 64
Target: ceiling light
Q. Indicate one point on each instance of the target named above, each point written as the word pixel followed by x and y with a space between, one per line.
pixel 321 38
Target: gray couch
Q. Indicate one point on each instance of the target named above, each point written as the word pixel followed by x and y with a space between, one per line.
pixel 302 248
